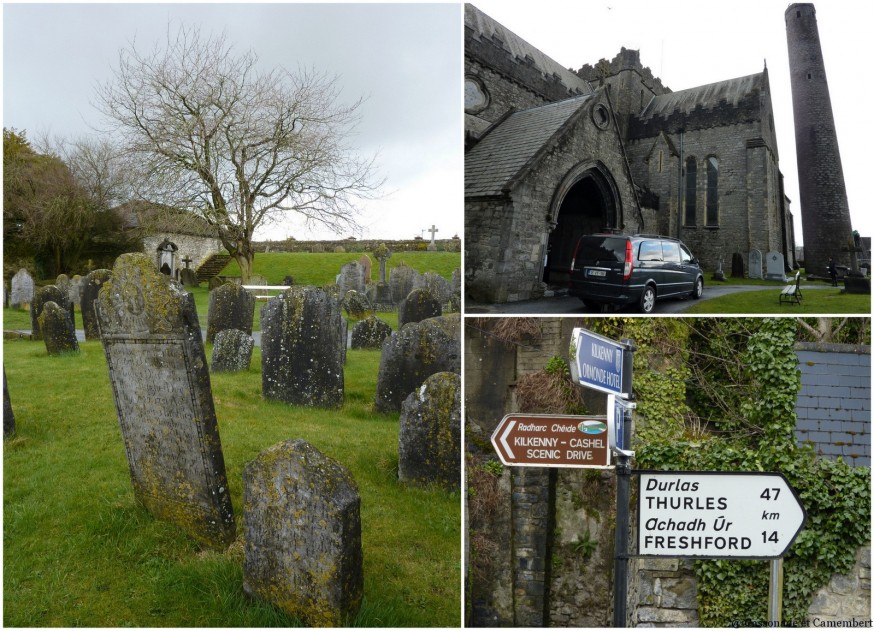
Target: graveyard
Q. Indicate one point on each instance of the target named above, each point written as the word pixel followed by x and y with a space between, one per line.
pixel 84 548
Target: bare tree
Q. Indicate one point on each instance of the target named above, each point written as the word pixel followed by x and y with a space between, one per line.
pixel 211 133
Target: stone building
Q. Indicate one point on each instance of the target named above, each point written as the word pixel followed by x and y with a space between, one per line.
pixel 552 154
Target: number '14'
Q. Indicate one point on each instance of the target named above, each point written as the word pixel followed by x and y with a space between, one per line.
pixel 769 537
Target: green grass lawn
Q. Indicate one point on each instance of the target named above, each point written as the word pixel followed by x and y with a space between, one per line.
pixel 78 550
pixel 828 300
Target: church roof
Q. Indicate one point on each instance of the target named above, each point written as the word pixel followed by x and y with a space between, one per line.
pixel 485 28
pixel 731 91
pixel 512 144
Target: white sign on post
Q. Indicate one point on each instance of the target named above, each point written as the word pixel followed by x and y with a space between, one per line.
pixel 717 515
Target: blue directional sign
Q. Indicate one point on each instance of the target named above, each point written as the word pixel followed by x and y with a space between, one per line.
pixel 600 363
pixel 616 417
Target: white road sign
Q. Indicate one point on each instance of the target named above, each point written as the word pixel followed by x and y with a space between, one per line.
pixel 715 515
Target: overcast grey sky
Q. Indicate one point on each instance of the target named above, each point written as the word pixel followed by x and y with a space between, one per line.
pixel 688 43
pixel 405 59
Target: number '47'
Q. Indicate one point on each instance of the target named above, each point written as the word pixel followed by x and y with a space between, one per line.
pixel 770 494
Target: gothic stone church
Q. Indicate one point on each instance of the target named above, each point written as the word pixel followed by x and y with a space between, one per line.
pixel 551 154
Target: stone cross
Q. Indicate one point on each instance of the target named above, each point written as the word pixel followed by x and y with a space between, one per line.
pixel 433 230
pixel 382 254
pixel 187 260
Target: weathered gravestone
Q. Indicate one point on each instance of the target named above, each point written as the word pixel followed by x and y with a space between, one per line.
pixel 370 333
pixel 456 281
pixel 64 283
pixel 8 415
pixel 91 287
pixel 49 293
pixel 302 524
pixel 366 268
pixel 429 441
pixel 755 264
pixel 21 289
pixel 419 305
pixel 413 354
pixel 737 265
pixel 75 291
pixel 303 346
pixel 351 278
pixel 357 305
pixel 776 267
pixel 401 281
pixel 232 351
pixel 57 329
pixel 160 381
pixel 188 277
pixel 439 287
pixel 230 307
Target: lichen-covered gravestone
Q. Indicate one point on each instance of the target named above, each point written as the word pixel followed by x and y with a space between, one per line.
pixel 439 287
pixel 370 333
pixel 49 293
pixel 21 289
pixel 415 353
pixel 230 307
pixel 357 305
pixel 232 351
pixel 302 525
pixel 160 381
pixel 57 330
pixel 303 346
pixel 419 305
pixel 351 278
pixel 366 268
pixel 429 441
pixel 91 286
pixel 402 280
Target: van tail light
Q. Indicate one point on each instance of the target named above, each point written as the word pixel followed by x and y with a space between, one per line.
pixel 626 271
pixel 574 256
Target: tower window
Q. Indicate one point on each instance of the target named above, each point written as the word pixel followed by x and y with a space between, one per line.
pixel 712 191
pixel 809 76
pixel 691 191
pixel 798 14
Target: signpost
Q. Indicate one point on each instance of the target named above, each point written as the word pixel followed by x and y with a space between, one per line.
pixel 601 363
pixel 716 515
pixel 537 440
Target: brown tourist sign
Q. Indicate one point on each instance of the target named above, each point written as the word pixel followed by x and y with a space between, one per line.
pixel 537 440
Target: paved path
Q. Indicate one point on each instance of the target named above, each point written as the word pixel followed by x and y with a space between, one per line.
pixel 569 304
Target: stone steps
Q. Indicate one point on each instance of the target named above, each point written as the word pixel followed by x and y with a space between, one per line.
pixel 212 266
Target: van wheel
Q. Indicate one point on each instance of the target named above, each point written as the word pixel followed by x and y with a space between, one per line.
pixel 699 289
pixel 647 299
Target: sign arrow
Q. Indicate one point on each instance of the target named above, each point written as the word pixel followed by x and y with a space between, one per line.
pixel 717 514
pixel 600 363
pixel 539 440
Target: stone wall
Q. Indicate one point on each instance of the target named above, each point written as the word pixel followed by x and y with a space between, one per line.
pixel 358 245
pixel 847 596
pixel 195 247
pixel 834 403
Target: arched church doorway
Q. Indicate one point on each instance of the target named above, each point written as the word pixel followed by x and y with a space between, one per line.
pixel 586 202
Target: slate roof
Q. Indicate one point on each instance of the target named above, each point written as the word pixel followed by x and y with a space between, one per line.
pixel 707 96
pixel 505 150
pixel 485 27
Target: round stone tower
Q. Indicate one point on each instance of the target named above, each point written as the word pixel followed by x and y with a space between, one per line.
pixel 825 213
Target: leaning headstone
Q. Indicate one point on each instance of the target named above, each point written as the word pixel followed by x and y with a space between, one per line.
pixel 303 345
pixel 401 281
pixel 737 265
pixel 755 264
pixel 351 278
pixel 230 307
pixel 49 293
pixel 429 441
pixel 776 267
pixel 91 286
pixel 160 382
pixel 413 354
pixel 302 533
pixel 21 289
pixel 419 305
pixel 439 287
pixel 8 415
pixel 56 327
pixel 370 333
pixel 232 351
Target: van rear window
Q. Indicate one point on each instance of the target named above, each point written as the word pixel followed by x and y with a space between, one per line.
pixel 605 249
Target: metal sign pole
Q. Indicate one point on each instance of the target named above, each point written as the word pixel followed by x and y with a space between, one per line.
pixel 775 593
pixel 623 510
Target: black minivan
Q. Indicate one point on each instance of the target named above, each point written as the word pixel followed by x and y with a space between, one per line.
pixel 637 269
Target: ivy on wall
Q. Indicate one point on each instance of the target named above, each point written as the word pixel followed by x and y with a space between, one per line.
pixel 719 395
